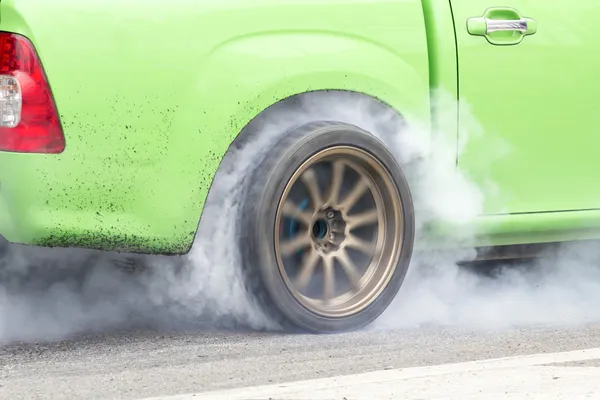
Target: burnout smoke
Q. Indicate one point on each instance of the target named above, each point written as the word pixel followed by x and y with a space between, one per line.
pixel 48 295
pixel 561 288
pixel 53 294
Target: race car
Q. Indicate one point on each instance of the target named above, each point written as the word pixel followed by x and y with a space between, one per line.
pixel 120 121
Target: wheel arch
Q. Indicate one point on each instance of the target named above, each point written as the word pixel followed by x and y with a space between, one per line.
pixel 382 115
pixel 308 101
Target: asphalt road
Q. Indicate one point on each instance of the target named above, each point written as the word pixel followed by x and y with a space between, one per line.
pixel 140 364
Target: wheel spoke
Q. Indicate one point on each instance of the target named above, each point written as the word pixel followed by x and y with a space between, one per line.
pixel 357 192
pixel 299 242
pixel 337 177
pixel 365 218
pixel 309 177
pixel 350 269
pixel 307 270
pixel 291 210
pixel 328 279
pixel 359 244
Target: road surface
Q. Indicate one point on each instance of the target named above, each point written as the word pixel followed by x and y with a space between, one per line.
pixel 153 364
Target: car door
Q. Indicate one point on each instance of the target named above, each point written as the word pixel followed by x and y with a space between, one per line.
pixel 529 71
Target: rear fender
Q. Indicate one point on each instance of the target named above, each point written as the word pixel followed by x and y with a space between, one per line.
pixel 259 72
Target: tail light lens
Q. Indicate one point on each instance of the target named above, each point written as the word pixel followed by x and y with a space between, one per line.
pixel 29 121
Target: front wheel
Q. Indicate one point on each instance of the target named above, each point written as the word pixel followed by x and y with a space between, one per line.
pixel 327 228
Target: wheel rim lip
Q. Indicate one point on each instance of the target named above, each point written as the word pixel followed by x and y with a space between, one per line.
pixel 383 265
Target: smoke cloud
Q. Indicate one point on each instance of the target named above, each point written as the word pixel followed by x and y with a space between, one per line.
pixel 50 294
pixel 558 289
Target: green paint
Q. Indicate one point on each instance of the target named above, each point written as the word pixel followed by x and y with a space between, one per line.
pixel 151 94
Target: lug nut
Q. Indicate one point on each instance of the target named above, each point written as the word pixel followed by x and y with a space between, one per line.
pixel 330 214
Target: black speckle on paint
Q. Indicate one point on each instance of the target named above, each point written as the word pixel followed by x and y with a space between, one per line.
pixel 120 243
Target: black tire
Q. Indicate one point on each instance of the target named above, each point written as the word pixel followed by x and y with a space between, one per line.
pixel 257 226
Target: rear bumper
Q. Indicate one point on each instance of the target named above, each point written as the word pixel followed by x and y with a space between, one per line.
pixel 67 201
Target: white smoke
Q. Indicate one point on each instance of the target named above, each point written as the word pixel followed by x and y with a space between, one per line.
pixel 52 294
pixel 561 288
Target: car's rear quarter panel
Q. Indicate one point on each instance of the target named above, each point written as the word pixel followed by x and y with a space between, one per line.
pixel 151 94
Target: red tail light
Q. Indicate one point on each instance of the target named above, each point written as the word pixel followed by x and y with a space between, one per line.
pixel 29 121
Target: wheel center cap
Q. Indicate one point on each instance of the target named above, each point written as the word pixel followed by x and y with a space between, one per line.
pixel 328 230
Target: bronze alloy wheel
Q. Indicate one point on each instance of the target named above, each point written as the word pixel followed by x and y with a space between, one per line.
pixel 338 231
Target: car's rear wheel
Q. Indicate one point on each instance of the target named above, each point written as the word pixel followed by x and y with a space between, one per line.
pixel 327 228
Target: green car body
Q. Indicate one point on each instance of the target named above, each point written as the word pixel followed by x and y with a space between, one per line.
pixel 152 94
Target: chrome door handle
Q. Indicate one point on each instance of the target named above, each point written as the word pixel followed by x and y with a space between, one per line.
pixel 502 19
pixel 501 25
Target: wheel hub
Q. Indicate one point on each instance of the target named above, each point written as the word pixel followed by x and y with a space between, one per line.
pixel 328 230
